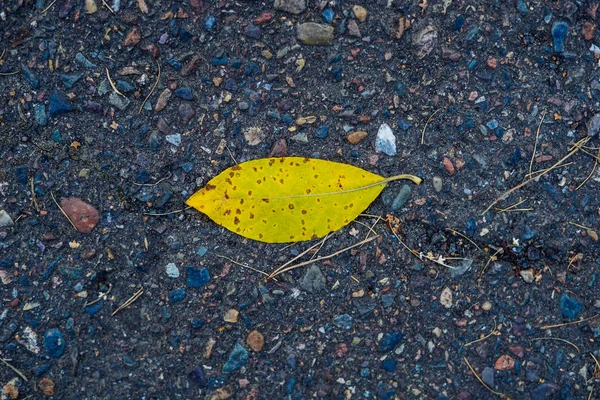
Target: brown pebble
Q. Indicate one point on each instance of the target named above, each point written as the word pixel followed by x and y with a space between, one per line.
pixel 133 37
pixel 504 363
pixel 588 31
pixel 279 149
pixel 255 340
pixel 356 136
pixel 191 66
pixel 163 99
pixel 83 215
pixel 517 351
pixel 492 62
pixel 46 385
pixel 448 165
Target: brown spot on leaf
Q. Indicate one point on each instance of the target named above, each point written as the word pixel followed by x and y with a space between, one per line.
pixel 251 216
pixel 249 192
pixel 238 211
pixel 265 200
pixel 236 220
pixel 291 206
pixel 209 187
pixel 303 211
pixel 236 168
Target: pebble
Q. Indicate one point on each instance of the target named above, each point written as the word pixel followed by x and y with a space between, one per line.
pixel 389 341
pixel 343 321
pixel 313 280
pixel 172 270
pixel 90 6
pixel 314 34
pixel 447 163
pixel 254 135
pixel 39 113
pixel 328 15
pixel 360 13
pixel 527 275
pixel 30 77
pixel 58 104
pixel 46 386
pixel 163 100
pixel 83 215
pixel 184 93
pixel 174 139
pixel 197 277
pixel 231 316
pixel 593 125
pixel 353 29
pixel 401 198
pixel 504 363
pixel 118 101
pixel 54 343
pixel 385 142
pixel 389 364
pixel 356 136
pixel 255 341
pixel 237 359
pixel 210 22
pixel 570 307
pixel 437 183
pixel 5 219
pixel 322 132
pixel 177 295
pixel 69 79
pixel 84 62
pixel 253 32
pixel 545 391
pixel 487 375
pixel 125 87
pixel 559 34
pixel 291 6
pixel 486 306
pixel 186 112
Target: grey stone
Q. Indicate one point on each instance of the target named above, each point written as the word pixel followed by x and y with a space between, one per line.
pixel 118 101
pixel 401 198
pixel 290 6
pixel 5 219
pixel 313 280
pixel 314 34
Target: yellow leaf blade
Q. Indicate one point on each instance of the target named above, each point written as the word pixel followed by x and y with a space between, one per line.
pixel 288 199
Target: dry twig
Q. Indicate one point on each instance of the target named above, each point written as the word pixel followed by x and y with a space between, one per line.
pixel 113 84
pixel 14 369
pixel 129 301
pixel 537 135
pixel 481 380
pixel 426 123
pixel 151 90
pixel 559 339
pixel 63 211
pixel 49 7
pixel 570 323
pixel 485 337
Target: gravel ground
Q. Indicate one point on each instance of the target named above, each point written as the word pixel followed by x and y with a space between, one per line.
pixel 116 112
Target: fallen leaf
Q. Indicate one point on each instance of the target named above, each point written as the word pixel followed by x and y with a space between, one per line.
pixel 289 199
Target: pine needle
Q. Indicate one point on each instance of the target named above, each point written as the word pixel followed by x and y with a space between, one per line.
pixel 151 90
pixel 63 211
pixel 14 369
pixel 537 135
pixel 570 323
pixel 559 339
pixel 129 301
pixel 113 84
pixel 481 380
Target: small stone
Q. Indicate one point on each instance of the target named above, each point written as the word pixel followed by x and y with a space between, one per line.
pixel 545 391
pixel 385 141
pixel 559 33
pixel 39 113
pixel 5 219
pixel 192 65
pixel 186 112
pixel 172 270
pixel 210 22
pixel 10 391
pixel 314 34
pixel 588 30
pixel 133 37
pixel 30 77
pixel 163 99
pixel 528 275
pixel 84 62
pixel 322 131
pixel 313 280
pixel 487 375
pixel 197 277
pixel 255 340
pixel 570 307
pixel 46 386
pixel 279 149
pixel 593 125
pixel 328 15
pixel 343 321
pixel 54 343
pixel 389 364
pixel 300 138
pixel 389 341
pixel 401 198
pixel 125 87
pixel 90 6
pixel 446 297
pixel 118 101
pixel 253 31
pixel 353 29
pixel 290 6
pixel 254 135
pixel 237 359
pixel 177 295
pixel 58 104
pixel 447 163
pixel 175 139
pixel 486 306
pixel 504 363
pixel 360 13
pixel 184 93
pixel 83 215
pixel 356 136
pixel 437 183
pixel 231 316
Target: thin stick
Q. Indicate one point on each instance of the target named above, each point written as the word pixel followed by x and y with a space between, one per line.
pixel 559 339
pixel 513 210
pixel 33 199
pixel 11 73
pixel 485 337
pixel 420 255
pixel 243 265
pixel 464 236
pixel 569 323
pixel 547 169
pixel 425 127
pixel 481 381
pixel 271 276
pixel 167 213
pixel 113 84
pixel 107 6
pixel 591 392
pixel 231 154
pixel 591 172
pixel 520 185
pixel 320 246
pixel 129 301
pixel 2 55
pixel 597 367
pixel 63 211
pixel 371 229
pixel 295 258
pixel 101 296
pixel 153 184
pixel 14 369
pixel 537 135
pixel 47 8
pixel 488 263
pixel 151 90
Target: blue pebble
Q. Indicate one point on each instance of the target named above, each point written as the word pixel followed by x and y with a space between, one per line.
pixel 559 33
pixel 404 124
pixel 202 250
pixel 30 77
pixel 70 79
pixel 287 119
pixel 237 359
pixel 289 386
pixel 337 73
pixel 94 308
pixel 143 177
pixel 175 64
pixel 328 15
pixel 58 104
pixel 198 323
pixel 401 89
pixel 471 226
pixel 529 233
pixel 387 395
pixel 335 59
pixel 54 343
pixel 184 35
pixel 515 158
pixel 21 175
pixel 365 372
pixel 493 124
pixel 125 86
pixel 184 93
pixel 343 321
pixel 129 361
pixel 197 277
pixel 198 377
pixel 39 113
pixel 155 141
pixel 291 361
pixel 322 131
pixel 187 167
pixel 210 22
pixel 177 295
pixel 389 341
pixel 231 85
pixel 80 58
pixel 252 69
pixel 41 369
pixel 389 364
pixel 236 63
pixel 458 23
pixel 570 307
pixel 522 7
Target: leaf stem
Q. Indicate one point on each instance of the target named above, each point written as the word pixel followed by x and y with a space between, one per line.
pixel 414 179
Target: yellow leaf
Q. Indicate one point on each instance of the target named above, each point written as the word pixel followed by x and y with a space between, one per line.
pixel 289 199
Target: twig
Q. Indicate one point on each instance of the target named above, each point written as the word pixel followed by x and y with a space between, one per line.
pixel 9 73
pixel 231 154
pixel 591 172
pixel 33 199
pixel 107 6
pixel 464 236
pixel 520 185
pixel 481 381
pixel 47 8
pixel 321 246
pixel 244 265
pixel 63 211
pixel 427 122
pixel 154 184
pixel 537 135
pixel 101 296
pixel 298 256
pixel 167 213
pixel 272 275
pixel 14 369
pixel 539 171
pixel 113 84
pixel 129 301
pixel 488 263
pixel 151 90
pixel 559 339
pixel 485 337
pixel 2 55
pixel 597 367
pixel 420 255
pixel 570 323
